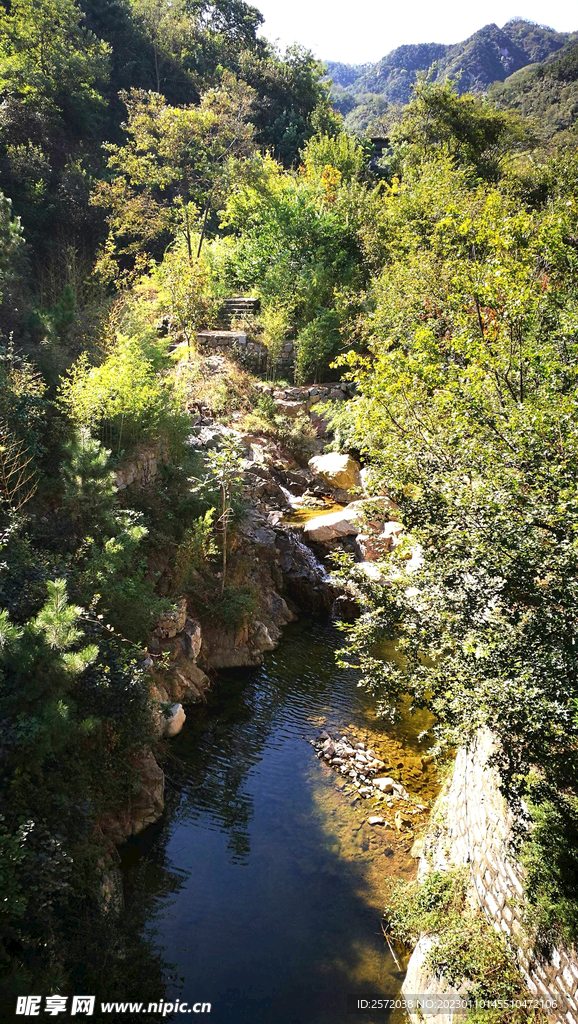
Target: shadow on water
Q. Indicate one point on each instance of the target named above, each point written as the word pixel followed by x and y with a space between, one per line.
pixel 264 884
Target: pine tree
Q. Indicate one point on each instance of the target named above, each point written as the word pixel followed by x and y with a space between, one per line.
pixel 89 489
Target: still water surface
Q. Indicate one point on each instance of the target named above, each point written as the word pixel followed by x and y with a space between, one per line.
pixel 273 911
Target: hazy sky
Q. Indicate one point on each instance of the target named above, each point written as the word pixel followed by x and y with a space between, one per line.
pixel 356 31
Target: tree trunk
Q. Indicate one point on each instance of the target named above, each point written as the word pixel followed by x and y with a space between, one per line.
pixel 224 514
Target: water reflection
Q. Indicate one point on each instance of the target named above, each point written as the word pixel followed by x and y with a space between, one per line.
pixel 266 879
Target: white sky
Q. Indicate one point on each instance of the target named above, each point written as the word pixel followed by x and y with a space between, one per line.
pixel 357 31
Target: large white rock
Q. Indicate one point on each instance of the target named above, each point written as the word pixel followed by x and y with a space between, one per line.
pixel 332 527
pixel 175 721
pixel 337 470
pixel 385 784
pixel 350 521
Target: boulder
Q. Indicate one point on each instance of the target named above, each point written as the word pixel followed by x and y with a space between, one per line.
pixel 144 805
pixel 192 639
pixel 349 522
pixel 174 721
pixel 261 638
pixel 417 849
pixel 255 530
pixel 188 683
pixel 324 529
pixel 290 409
pixel 385 785
pixel 278 609
pixel 337 470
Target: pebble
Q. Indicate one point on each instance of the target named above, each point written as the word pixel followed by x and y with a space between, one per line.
pixel 417 849
pixel 385 784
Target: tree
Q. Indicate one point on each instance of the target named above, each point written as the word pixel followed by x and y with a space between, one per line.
pixel 48 654
pixel 467 409
pixel 124 398
pixel 46 53
pixel 295 239
pixel 172 165
pixel 183 291
pixel 18 479
pixel 290 94
pixel 169 28
pixel 275 319
pixel 468 128
pixel 224 465
pixel 11 243
pixel 89 490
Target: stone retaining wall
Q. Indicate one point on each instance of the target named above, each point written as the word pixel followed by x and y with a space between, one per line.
pixel 142 467
pixel 472 827
pixel 247 350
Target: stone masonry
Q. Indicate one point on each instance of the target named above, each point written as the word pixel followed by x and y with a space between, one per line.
pixel 472 827
pixel 247 350
pixel 142 467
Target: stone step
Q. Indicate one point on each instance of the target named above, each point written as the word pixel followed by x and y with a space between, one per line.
pixel 239 306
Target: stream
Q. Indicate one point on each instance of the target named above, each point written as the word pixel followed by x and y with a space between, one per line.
pixel 264 881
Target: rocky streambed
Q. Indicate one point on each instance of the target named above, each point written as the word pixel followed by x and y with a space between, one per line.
pixel 249 817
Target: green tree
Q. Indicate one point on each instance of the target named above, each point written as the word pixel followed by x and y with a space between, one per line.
pixel 89 490
pixel 124 398
pixel 467 408
pixel 224 466
pixel 45 52
pixel 468 128
pixel 171 166
pixel 296 239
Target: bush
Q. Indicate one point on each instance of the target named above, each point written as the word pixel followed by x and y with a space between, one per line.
pixel 317 346
pixel 296 435
pixel 467 952
pixel 237 606
pixel 196 548
pixel 125 399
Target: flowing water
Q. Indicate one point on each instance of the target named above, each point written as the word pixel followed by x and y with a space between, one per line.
pixel 273 905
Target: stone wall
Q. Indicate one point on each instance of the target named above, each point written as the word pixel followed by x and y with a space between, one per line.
pixel 142 467
pixel 247 350
pixel 471 827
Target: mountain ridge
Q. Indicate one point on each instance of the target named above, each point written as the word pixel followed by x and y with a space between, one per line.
pixel 489 55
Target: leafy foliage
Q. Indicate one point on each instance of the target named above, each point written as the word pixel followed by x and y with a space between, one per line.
pixel 467 953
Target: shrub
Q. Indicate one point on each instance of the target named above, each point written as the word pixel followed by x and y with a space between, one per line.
pixel 467 952
pixel 296 435
pixel 196 548
pixel 124 399
pixel 317 345
pixel 237 606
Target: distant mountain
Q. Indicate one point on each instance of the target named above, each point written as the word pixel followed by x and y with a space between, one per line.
pixel 344 74
pixel 547 91
pixel 491 54
pixel 393 76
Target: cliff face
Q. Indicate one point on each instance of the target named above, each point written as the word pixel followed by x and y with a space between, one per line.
pixel 471 827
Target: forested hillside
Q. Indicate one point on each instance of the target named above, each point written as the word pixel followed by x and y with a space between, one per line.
pixel 547 92
pixel 491 55
pixel 155 160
